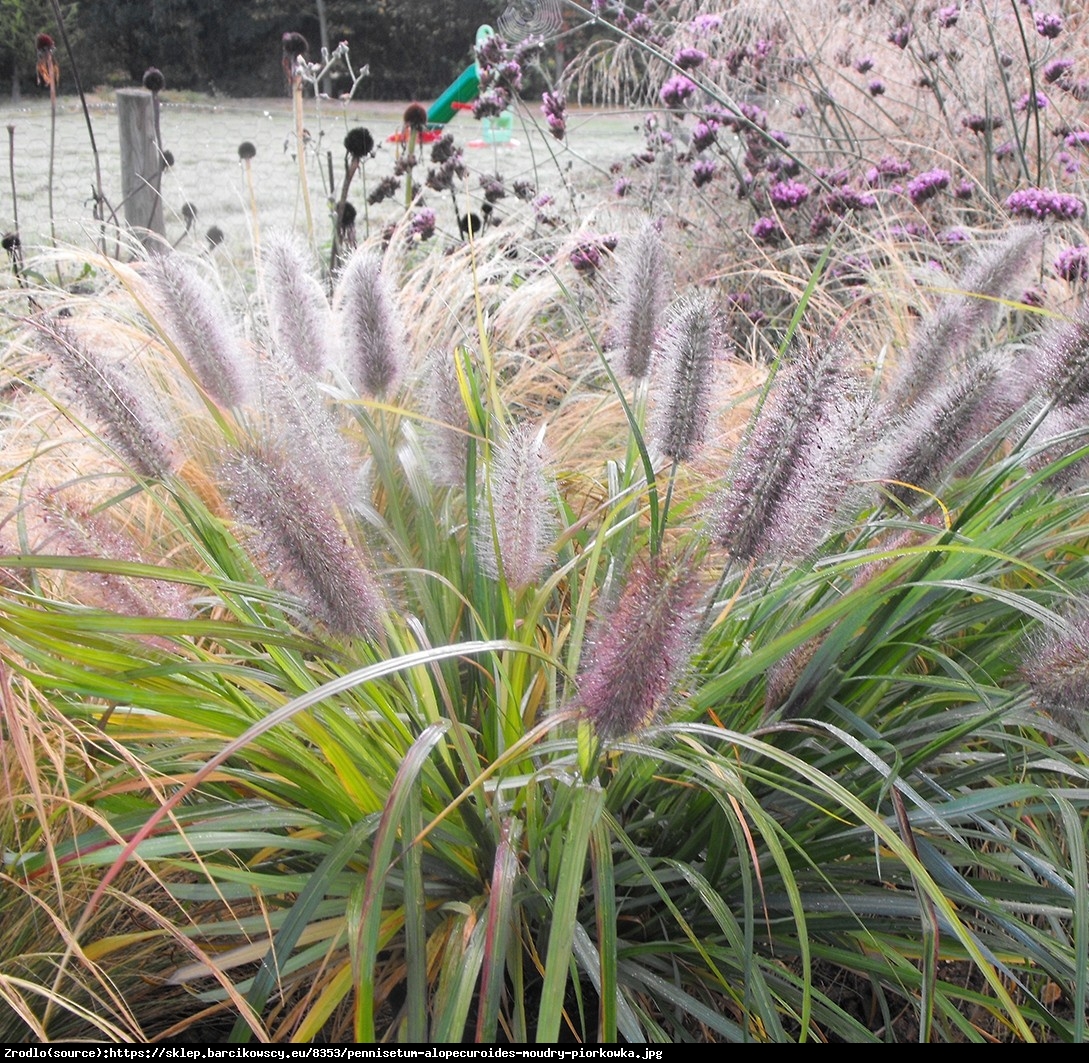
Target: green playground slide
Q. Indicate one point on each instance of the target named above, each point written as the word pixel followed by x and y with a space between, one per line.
pixel 463 90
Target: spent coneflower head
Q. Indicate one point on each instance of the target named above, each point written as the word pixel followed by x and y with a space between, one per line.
pixel 640 648
pixel 293 46
pixel 47 69
pixel 153 80
pixel 644 287
pixel 299 315
pixel 686 365
pixel 359 143
pixel 415 117
pixel 518 498
pixel 198 324
pixel 246 150
pixel 303 541
pixel 373 337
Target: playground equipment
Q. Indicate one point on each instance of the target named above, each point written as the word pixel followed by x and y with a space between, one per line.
pixel 459 96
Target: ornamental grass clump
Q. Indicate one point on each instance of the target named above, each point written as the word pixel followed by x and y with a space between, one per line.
pixel 640 648
pixel 513 541
pixel 373 342
pixel 299 317
pixel 940 342
pixel 685 375
pixel 303 540
pixel 690 728
pixel 132 425
pixel 789 475
pixel 1056 667
pixel 200 327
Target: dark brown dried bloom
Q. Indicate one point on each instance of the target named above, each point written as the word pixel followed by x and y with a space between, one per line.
pixel 154 81
pixel 687 361
pixel 102 387
pixel 293 45
pixel 246 150
pixel 359 142
pixel 302 539
pixel 415 117
pixel 373 337
pixel 383 190
pixel 639 650
pixel 644 285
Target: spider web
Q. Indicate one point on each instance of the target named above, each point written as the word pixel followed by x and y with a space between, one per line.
pixel 529 18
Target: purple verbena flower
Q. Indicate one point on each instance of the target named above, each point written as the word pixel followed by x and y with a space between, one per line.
pixel 704 134
pixel 788 194
pixel 980 123
pixel 689 58
pixel 927 185
pixel 703 172
pixel 876 87
pixel 676 90
pixel 1042 203
pixel 767 231
pixel 948 16
pixel 423 224
pixel 554 109
pixel 841 200
pixel 900 36
pixel 1073 264
pixel 1029 101
pixel 706 23
pixel 1049 24
pixel 1057 70
pixel 864 64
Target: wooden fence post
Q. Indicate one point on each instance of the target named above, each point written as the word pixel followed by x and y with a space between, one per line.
pixel 141 166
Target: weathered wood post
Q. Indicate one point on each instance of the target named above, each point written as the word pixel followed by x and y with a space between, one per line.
pixel 141 166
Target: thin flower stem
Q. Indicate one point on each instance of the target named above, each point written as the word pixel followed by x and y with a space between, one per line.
pixel 100 199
